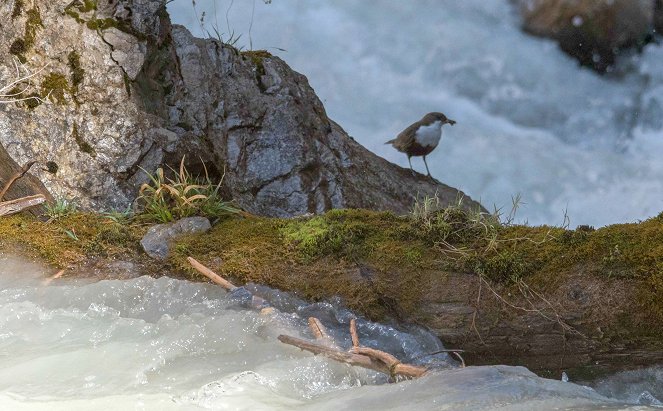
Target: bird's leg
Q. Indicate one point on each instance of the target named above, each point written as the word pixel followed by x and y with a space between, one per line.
pixel 428 171
pixel 411 169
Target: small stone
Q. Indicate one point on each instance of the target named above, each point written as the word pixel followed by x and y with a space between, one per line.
pixel 156 242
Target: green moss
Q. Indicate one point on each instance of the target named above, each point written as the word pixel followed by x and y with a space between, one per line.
pixel 18 47
pixel 32 25
pixel 54 86
pixel 33 102
pixel 82 144
pixel 71 13
pixel 88 5
pixel 19 5
pixel 256 57
pixel 127 83
pixel 386 265
pixel 76 71
pixel 21 46
pixel 102 24
pixel 96 236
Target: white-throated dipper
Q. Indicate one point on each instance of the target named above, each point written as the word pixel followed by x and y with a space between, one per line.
pixel 421 137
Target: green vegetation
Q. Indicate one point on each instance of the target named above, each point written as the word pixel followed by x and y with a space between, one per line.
pixel 167 199
pixel 256 57
pixel 77 72
pixel 20 46
pixel 19 5
pixel 54 86
pixel 102 24
pixel 380 264
pixel 59 208
pixel 70 239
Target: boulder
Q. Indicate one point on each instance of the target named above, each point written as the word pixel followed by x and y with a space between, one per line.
pixel 156 242
pixel 592 31
pixel 127 92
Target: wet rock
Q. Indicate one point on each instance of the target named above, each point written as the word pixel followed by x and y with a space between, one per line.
pixel 156 242
pixel 658 16
pixel 144 93
pixel 592 31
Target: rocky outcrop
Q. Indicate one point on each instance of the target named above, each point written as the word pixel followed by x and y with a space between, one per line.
pixel 124 91
pixel 592 31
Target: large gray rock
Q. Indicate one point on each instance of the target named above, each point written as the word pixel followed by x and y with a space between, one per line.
pixel 150 93
pixel 593 31
pixel 156 242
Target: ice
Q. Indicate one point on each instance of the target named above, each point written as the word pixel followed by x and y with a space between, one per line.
pixel 530 120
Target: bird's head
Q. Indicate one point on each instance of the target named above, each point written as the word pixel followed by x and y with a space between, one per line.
pixel 436 116
pixel 441 117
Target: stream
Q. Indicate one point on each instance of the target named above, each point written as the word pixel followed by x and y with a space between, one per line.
pixel 168 344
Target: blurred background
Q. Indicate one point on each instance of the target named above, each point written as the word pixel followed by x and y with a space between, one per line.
pixel 532 122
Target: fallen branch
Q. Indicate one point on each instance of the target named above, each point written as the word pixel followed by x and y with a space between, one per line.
pixel 395 367
pixel 20 173
pixel 211 275
pixel 358 356
pixel 334 354
pixel 20 204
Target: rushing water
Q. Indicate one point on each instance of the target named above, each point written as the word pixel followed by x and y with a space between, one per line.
pixel 166 344
pixel 530 121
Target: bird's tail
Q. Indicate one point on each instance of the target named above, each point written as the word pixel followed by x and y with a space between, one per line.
pixel 390 141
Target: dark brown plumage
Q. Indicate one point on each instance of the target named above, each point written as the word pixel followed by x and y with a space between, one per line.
pixel 421 138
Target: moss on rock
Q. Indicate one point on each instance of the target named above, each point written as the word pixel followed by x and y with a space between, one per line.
pixel 54 87
pixel 82 144
pixel 383 265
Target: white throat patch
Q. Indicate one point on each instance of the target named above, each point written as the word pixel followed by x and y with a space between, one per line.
pixel 429 136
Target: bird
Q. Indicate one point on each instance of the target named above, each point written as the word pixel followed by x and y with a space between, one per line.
pixel 421 137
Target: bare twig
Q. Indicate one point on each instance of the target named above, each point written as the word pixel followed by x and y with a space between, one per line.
pixel 53 277
pixel 395 367
pixel 20 204
pixel 211 275
pixel 353 333
pixel 318 330
pixel 20 173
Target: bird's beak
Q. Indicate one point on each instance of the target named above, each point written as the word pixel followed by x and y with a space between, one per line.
pixel 451 122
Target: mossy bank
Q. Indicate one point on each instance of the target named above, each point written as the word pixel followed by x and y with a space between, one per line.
pixel 585 301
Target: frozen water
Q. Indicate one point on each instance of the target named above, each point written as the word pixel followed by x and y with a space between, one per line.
pixel 530 121
pixel 165 344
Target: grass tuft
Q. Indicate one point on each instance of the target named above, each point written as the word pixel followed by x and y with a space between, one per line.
pixel 166 199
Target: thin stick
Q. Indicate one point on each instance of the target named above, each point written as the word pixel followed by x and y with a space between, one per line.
pixel 460 357
pixel 20 173
pixel 211 275
pixel 318 330
pixel 53 277
pixel 20 204
pixel 334 354
pixel 353 333
pixel 392 363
